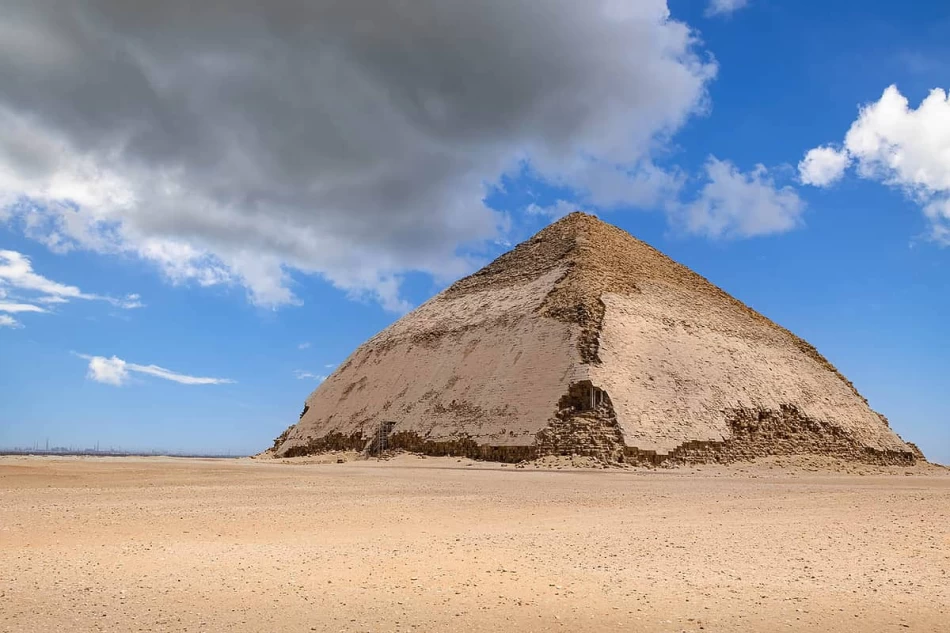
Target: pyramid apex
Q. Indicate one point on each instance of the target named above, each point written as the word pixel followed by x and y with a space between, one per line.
pixel 575 227
pixel 578 219
pixel 577 215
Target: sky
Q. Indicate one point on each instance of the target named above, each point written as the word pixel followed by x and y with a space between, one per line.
pixel 205 209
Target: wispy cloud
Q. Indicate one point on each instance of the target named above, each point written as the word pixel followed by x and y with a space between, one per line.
pixel 17 275
pixel 305 345
pixel 115 371
pixel 14 308
pixel 8 321
pixel 16 270
pixel 130 302
pixel 555 211
pixel 306 375
pixel 724 7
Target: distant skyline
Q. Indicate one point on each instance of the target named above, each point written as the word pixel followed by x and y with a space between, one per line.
pixel 92 451
pixel 203 211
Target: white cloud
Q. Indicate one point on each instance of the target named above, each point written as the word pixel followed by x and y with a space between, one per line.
pixel 161 372
pixel 306 375
pixel 555 211
pixel 353 140
pixel 737 204
pixel 608 186
pixel 305 345
pixel 823 166
pixel 14 308
pixel 905 148
pixel 109 371
pixel 9 321
pixel 329 366
pixel 938 212
pixel 16 271
pixel 130 302
pixel 724 7
pixel 115 371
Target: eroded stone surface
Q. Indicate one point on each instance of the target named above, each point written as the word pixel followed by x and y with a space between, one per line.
pixel 686 373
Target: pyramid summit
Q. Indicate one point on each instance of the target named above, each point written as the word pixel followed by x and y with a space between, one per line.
pixel 584 340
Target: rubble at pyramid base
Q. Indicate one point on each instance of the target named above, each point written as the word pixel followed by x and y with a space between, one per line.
pixel 595 434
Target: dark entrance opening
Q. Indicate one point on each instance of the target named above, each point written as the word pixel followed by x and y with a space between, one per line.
pixel 582 396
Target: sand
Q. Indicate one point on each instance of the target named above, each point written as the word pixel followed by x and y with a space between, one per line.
pixel 157 544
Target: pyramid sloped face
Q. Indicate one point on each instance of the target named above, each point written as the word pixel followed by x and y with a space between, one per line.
pixel 585 340
pixel 479 365
pixel 675 376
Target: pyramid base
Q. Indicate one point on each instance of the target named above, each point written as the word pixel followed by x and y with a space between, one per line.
pixel 755 433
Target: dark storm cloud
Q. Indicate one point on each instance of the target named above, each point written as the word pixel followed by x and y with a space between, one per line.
pixel 231 141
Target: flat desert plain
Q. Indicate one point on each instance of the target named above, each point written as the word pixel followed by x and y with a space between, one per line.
pixel 410 544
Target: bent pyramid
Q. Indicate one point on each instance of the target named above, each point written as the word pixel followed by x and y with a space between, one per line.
pixel 584 340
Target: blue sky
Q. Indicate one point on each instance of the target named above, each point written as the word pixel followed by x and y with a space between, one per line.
pixel 227 256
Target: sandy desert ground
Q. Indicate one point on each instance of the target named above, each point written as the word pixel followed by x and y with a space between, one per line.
pixel 156 544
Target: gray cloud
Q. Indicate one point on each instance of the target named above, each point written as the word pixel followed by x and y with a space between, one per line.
pixel 238 142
